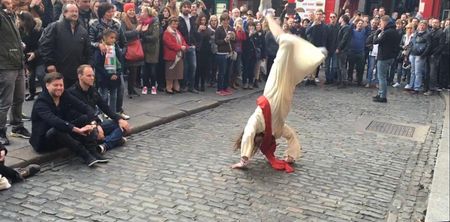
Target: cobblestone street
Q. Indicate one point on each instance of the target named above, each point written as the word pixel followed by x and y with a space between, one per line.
pixel 180 171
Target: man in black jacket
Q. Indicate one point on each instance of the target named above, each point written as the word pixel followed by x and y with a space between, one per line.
pixel 431 77
pixel 388 40
pixel 317 35
pixel 109 131
pixel 64 45
pixel 53 125
pixel 343 48
pixel 188 30
pixel 332 40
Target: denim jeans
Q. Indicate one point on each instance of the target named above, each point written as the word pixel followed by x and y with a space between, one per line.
pixel 383 67
pixel 190 66
pixel 119 99
pixel 113 133
pixel 223 66
pixel 110 96
pixel 331 66
pixel 372 78
pixel 39 72
pixel 418 66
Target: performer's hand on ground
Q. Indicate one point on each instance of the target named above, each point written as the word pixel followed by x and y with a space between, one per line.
pixel 242 164
pixel 289 159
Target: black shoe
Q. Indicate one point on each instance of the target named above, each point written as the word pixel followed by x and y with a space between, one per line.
pixel 20 132
pixel 30 97
pixel 255 84
pixel 380 100
pixel 376 97
pixel 29 170
pixel 94 152
pixel 25 117
pixel 90 160
pixel 3 138
pixel 328 82
pixel 160 89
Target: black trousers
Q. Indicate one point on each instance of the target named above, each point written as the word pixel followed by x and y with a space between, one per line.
pixel 78 144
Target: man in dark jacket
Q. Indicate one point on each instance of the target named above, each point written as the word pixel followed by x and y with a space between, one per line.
pixel 317 35
pixel 342 50
pixel 388 41
pixel 12 80
pixel 64 45
pixel 110 131
pixel 420 48
pixel 431 78
pixel 332 40
pixel 444 68
pixel 53 124
pixel 188 29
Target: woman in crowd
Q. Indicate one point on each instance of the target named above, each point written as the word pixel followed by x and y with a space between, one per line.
pixel 203 52
pixel 237 64
pixel 260 47
pixel 160 74
pixel 224 37
pixel 94 8
pixel 213 24
pixel 174 46
pixel 30 31
pixel 130 24
pixel 249 57
pixel 149 29
pixel 404 66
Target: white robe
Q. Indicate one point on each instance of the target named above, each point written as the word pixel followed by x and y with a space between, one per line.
pixel 295 59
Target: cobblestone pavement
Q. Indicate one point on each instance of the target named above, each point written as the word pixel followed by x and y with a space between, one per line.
pixel 180 171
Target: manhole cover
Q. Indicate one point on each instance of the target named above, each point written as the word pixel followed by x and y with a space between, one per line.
pixel 391 129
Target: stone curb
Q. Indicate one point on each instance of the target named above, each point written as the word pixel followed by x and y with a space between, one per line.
pixel 438 200
pixel 24 156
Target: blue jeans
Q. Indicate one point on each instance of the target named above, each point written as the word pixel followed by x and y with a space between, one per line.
pixel 190 66
pixel 110 96
pixel 371 77
pixel 331 66
pixel 383 67
pixel 113 133
pixel 223 66
pixel 418 66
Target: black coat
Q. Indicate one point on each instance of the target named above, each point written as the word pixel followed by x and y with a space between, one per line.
pixel 388 42
pixel 332 37
pixel 191 37
pixel 46 115
pixel 344 38
pixel 435 48
pixel 317 35
pixel 93 99
pixel 60 47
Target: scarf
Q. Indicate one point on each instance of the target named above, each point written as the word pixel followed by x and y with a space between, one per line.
pixel 147 21
pixel 179 42
pixel 269 144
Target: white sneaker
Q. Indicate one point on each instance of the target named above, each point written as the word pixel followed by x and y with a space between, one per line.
pixel 408 86
pixel 144 90
pixel 317 80
pixel 124 116
pixel 396 85
pixel 4 183
pixel 153 90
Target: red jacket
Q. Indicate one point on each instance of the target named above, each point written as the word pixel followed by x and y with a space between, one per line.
pixel 170 45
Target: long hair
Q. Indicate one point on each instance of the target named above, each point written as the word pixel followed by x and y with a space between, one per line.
pixel 27 22
pixel 258 139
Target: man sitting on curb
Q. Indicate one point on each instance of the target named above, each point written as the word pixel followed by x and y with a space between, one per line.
pixel 9 175
pixel 110 131
pixel 51 126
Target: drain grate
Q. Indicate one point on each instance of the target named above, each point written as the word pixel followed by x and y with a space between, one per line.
pixel 391 129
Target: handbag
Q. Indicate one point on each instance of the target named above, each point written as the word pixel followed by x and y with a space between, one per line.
pixel 233 54
pixel 134 51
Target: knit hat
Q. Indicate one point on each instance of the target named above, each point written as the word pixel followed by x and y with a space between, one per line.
pixel 128 6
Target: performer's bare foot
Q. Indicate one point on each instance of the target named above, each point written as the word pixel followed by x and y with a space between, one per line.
pixel 289 160
pixel 242 164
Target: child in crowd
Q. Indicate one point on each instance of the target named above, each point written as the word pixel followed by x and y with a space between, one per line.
pixel 108 69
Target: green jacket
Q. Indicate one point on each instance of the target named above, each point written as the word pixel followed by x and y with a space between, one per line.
pixel 11 54
pixel 150 43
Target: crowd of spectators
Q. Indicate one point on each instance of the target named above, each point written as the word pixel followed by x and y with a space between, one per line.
pixel 83 52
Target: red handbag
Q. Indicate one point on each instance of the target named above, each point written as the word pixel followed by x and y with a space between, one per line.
pixel 134 51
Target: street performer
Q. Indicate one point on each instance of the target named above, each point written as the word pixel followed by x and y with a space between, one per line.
pixel 295 59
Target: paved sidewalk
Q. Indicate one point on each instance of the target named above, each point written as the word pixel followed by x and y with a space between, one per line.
pixel 146 111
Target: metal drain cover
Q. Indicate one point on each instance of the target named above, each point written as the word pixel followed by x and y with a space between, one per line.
pixel 414 132
pixel 391 129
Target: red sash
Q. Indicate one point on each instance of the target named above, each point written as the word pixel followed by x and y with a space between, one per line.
pixel 269 144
